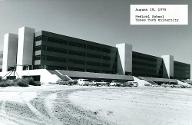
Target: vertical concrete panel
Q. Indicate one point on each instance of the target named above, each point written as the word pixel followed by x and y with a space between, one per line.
pixel 124 61
pixel 169 65
pixel 25 47
pixel 1 59
pixel 120 58
pixel 9 51
pixel 128 58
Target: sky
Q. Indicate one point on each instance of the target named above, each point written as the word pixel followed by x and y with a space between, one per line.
pixel 102 21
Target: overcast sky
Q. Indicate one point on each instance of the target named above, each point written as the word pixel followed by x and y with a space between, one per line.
pixel 102 21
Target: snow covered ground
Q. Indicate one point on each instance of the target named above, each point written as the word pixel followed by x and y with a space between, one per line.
pixel 77 105
pixel 44 105
pixel 138 106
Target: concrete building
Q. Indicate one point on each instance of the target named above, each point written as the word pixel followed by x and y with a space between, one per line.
pixel 49 56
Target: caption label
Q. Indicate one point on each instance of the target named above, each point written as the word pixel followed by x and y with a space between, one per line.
pixel 159 14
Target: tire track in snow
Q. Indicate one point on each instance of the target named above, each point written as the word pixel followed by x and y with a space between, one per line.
pixel 46 120
pixel 4 118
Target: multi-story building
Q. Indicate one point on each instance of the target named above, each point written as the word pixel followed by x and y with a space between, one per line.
pixel 53 51
pixel 48 56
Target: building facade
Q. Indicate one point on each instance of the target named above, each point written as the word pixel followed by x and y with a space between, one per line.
pixel 46 54
pixel 148 66
pixel 53 51
pixel 181 70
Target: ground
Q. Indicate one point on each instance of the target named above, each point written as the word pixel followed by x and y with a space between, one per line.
pixel 45 105
pixel 75 105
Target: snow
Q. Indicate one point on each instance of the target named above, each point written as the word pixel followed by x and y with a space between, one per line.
pixel 43 105
pixel 56 104
pixel 141 83
pixel 138 106
pixel 184 84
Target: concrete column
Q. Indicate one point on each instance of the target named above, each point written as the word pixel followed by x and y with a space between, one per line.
pixel 169 65
pixel 9 51
pixel 124 61
pixel 1 59
pixel 25 47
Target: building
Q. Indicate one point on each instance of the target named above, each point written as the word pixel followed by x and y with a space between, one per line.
pixel 74 54
pixel 49 56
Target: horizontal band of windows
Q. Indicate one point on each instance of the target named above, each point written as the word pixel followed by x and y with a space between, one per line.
pixel 72 61
pixel 38 43
pixel 98 49
pixel 72 43
pixel 98 56
pixel 68 57
pixel 52 49
pixel 76 61
pixel 146 60
pixel 78 44
pixel 76 69
pixel 72 51
pixel 178 75
pixel 37 57
pixel 56 40
pixel 56 63
pixel 183 78
pixel 50 39
pixel 137 60
pixel 181 64
pixel 144 71
pixel 144 57
pixel 59 46
pixel 49 58
pixel 144 67
pixel 53 58
pixel 182 72
pixel 181 68
pixel 49 48
pixel 144 64
pixel 56 54
pixel 188 66
pixel 38 38
pixel 50 67
pixel 55 45
pixel 36 48
pixel 98 64
pixel 55 67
